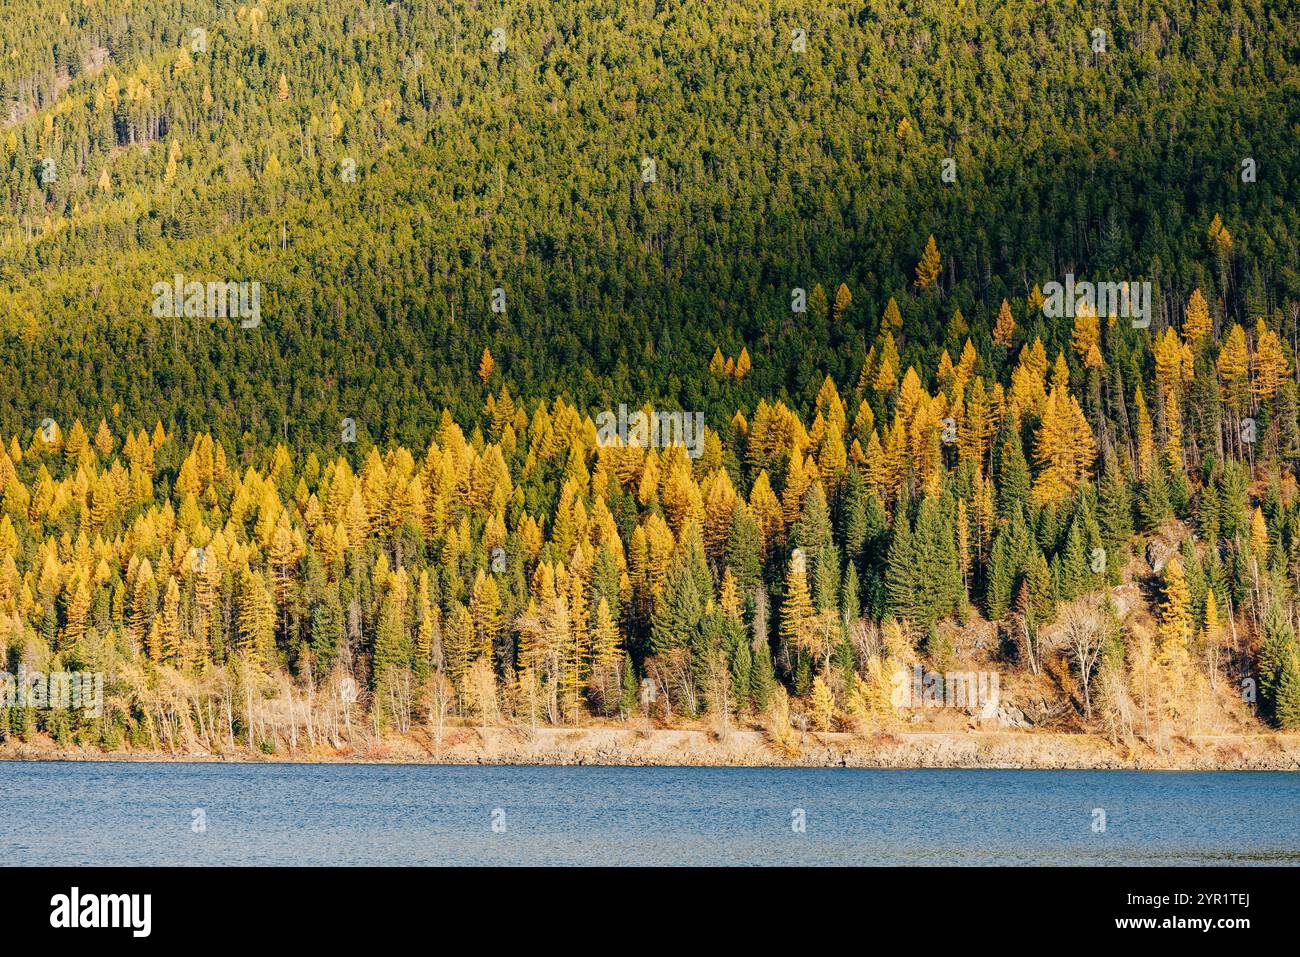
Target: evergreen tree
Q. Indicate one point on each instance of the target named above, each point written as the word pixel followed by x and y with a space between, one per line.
pixel 901 569
pixel 1115 518
pixel 679 609
pixel 1003 567
pixel 744 549
pixel 854 525
pixel 1278 648
pixel 762 678
pixel 741 665
pixel 812 532
pixel 631 698
pixel 1013 473
pixel 1286 695
pixel 1153 501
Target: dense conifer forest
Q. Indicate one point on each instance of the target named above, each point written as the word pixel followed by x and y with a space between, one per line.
pixel 834 232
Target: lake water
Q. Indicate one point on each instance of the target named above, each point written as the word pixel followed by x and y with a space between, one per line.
pixel 133 813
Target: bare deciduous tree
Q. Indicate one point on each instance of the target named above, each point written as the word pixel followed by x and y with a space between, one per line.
pixel 441 695
pixel 1082 623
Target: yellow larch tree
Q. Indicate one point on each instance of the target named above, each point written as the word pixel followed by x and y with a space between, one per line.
pixel 1086 334
pixel 1173 659
pixel 1146 442
pixel 843 300
pixel 718 510
pixel 798 619
pixel 1168 350
pixel 1064 448
pixel 891 321
pixel 1005 326
pixel 822 704
pixel 1173 434
pixel 1270 364
pixel 485 614
pixel 1233 366
pixel 929 267
pixel 1259 535
pixel 717 365
pixel 1196 321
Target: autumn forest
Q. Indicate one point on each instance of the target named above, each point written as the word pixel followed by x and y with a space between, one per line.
pixel 833 233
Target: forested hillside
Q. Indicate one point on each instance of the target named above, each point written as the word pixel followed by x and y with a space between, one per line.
pixel 522 170
pixel 828 229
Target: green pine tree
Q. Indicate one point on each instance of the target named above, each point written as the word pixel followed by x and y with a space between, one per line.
pixel 741 665
pixel 1286 697
pixel 1013 480
pixel 762 677
pixel 900 569
pixel 1153 500
pixel 631 699
pixel 679 609
pixel 744 550
pixel 853 514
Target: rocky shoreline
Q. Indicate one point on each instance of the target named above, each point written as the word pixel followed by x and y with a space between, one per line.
pixel 697 748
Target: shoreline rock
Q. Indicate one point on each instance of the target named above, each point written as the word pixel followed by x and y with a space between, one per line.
pixel 633 747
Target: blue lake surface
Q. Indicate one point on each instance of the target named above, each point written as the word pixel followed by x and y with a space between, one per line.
pixel 102 813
